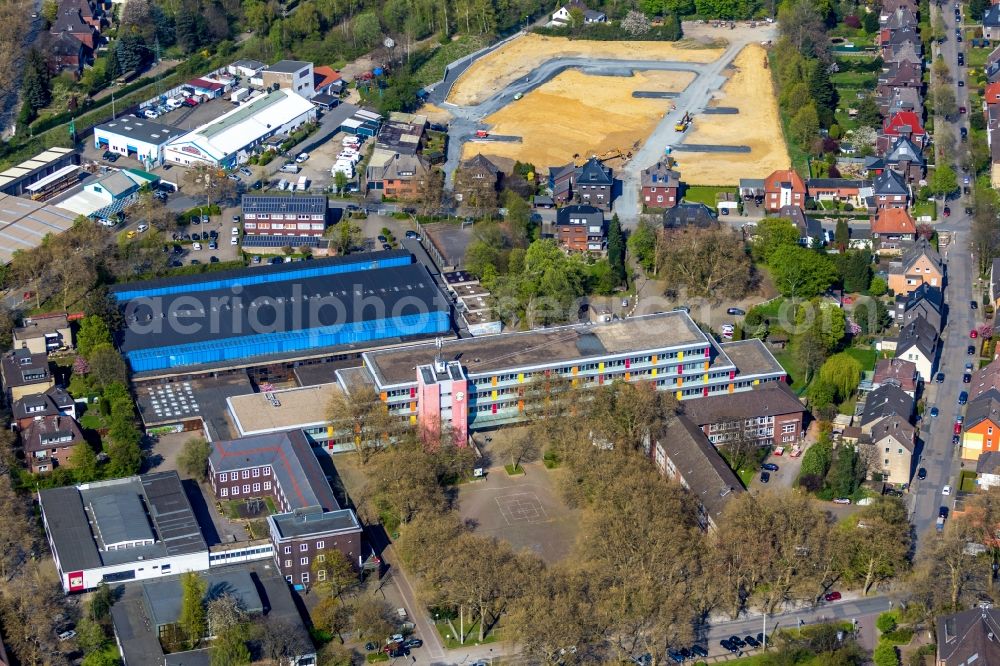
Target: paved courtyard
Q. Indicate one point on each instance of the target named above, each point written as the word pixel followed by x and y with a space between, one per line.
pixel 524 510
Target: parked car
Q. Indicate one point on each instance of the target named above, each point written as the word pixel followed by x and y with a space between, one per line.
pixel 235 231
pixel 946 491
pixel 301 157
pixel 699 651
pixel 973 334
pixel 735 311
pixel 751 641
pixel 956 440
pixel 726 645
pixel 413 643
pixel 246 172
pixel 737 641
pixel 934 412
pixel 212 245
pixel 921 473
pixel 947 211
pixel 770 467
pixel 966 378
pixel 196 246
pixel 411 234
pixel 765 477
pixel 66 635
pixel 939 378
pixel 234 240
pixel 957 428
pixel 842 500
pixel 142 228
pixel 832 596
pixel 971 350
pixel 963 398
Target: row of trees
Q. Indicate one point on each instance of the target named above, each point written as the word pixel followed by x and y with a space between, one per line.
pixel 642 572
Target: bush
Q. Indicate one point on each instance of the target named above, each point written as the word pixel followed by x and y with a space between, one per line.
pixel 898 637
pixel 887 622
pixel 885 655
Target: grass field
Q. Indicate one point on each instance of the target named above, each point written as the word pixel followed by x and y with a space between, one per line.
pixel 705 194
pixel 866 357
pixel 520 56
pixel 433 69
pixel 579 114
pixel 750 90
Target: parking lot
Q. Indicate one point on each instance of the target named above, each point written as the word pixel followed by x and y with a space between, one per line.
pixel 199 249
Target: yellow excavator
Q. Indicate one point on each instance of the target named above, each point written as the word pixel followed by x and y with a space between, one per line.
pixel 683 123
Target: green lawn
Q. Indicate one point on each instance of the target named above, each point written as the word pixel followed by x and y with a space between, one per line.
pixel 433 68
pixel 922 208
pixel 853 79
pixel 795 371
pixel 967 481
pixel 705 194
pixel 451 642
pixel 976 57
pixel 866 357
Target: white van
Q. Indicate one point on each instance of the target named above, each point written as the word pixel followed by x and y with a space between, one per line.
pixel 282 184
pixel 290 168
pixel 174 102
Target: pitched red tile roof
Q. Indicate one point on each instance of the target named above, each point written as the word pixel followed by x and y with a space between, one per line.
pixel 904 118
pixel 893 221
pixel 993 93
pixel 775 180
pixel 324 76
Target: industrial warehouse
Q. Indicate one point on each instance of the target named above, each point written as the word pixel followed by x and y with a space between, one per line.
pixel 246 317
pixel 224 140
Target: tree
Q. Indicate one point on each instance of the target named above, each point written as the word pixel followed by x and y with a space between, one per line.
pixel 193 459
pixel 92 333
pixel 193 621
pixel 801 273
pixel 878 550
pixel 642 245
pixel 521 447
pixel 943 181
pixel 431 192
pixel 870 22
pixel 208 183
pixel 107 366
pixel 334 574
pixel 90 635
pixel 635 23
pixel 843 371
pixel 124 453
pixel 869 114
pixel 36 84
pixel 943 96
pixel 855 269
pixel 83 460
pixel 230 649
pixel 332 615
pixel 771 234
pixel 479 195
pixel 804 125
pixel 822 91
pixel 616 248
pixel 842 235
pixel 818 458
pixel 347 236
pixel 281 641
pixel 362 416
pixel 711 263
pixel 340 181
pixel 847 472
pixel 878 286
pixel 373 618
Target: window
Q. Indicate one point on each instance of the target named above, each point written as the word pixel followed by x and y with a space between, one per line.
pixel 246 474
pixel 787 428
pixel 320 545
pixel 222 476
pixel 224 492
pixel 267 485
pixel 256 487
pixel 288 550
pixel 305 577
pixel 321 574
pixel 256 472
pixel 246 488
pixel 886 461
pixel 288 564
pixel 321 558
pixel 304 561
pixel 303 547
pixel 267 470
pixel 899 451
pixel 235 490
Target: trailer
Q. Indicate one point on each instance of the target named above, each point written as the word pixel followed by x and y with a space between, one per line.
pixel 239 95
pixel 302 184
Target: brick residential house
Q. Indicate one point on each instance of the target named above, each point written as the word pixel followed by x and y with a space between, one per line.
pixel 594 184
pixel 49 442
pixel 305 537
pixel 772 415
pixel 904 124
pixel 986 378
pixel 580 228
pixel 660 186
pixel 893 224
pixel 54 402
pixel 404 176
pixel 890 190
pixel 784 188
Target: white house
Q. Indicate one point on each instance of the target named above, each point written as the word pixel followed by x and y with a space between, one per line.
pixel 918 342
pixel 562 15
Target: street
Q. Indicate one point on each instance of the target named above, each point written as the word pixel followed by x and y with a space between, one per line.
pixel 937 455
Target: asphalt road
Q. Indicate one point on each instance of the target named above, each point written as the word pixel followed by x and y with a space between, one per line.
pixel 938 456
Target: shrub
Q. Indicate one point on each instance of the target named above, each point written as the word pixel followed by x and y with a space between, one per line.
pixel 887 622
pixel 885 655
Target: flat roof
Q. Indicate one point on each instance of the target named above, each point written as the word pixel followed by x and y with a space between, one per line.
pixel 163 596
pixel 143 130
pixel 288 66
pixel 751 357
pixel 311 521
pixel 25 223
pixel 493 353
pixel 256 204
pixel 34 327
pixel 295 408
pixel 73 525
pixel 280 307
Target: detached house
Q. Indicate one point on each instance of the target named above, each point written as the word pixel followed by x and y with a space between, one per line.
pixel 66 53
pixel 594 184
pixel 890 191
pixel 891 227
pixel 810 230
pixel 981 429
pixel 660 186
pixel 563 15
pixel 482 169
pixel 685 215
pixel 968 637
pixel 580 228
pixel 918 342
pixel 920 265
pixel 784 188
pixel 70 21
pixel 49 442
pixel 889 7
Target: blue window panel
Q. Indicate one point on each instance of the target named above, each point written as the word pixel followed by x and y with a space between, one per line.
pixel 230 349
pixel 265 277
